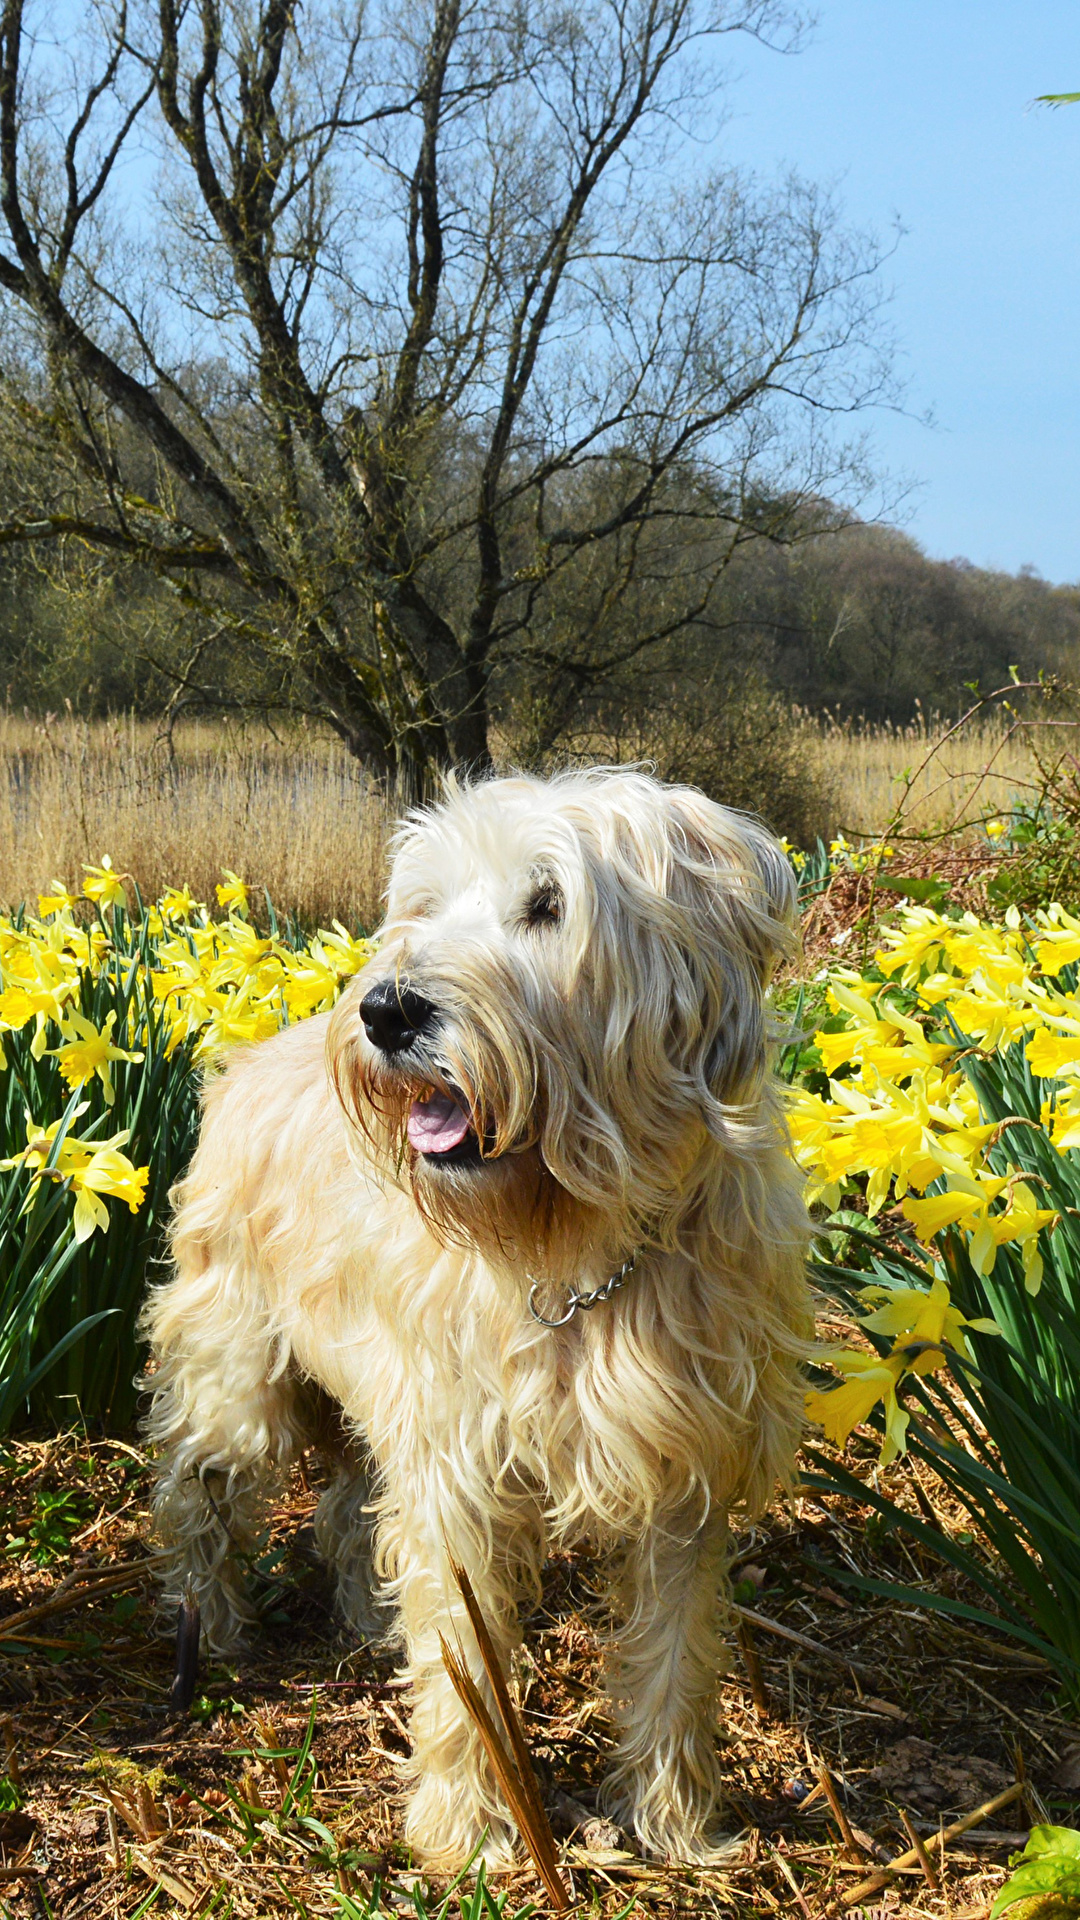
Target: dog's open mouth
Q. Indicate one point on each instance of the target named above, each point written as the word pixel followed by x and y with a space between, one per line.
pixel 440 1130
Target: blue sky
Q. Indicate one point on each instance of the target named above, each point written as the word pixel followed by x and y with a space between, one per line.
pixel 921 110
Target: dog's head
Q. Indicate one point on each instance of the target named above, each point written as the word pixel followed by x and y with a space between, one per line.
pixel 566 1007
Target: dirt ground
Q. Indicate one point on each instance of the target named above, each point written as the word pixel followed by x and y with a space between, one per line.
pixel 115 1806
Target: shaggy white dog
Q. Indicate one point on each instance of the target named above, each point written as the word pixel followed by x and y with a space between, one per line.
pixel 553 1076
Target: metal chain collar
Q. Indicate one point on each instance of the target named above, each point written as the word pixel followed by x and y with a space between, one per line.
pixel 586 1301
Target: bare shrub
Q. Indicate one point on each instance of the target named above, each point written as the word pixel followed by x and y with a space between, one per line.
pixel 740 743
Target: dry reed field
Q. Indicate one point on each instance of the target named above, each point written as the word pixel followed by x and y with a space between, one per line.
pixel 957 777
pixel 294 814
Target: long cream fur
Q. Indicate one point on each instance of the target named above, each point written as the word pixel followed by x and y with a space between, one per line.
pixel 597 948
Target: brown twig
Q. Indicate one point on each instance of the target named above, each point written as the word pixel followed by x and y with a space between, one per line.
pixel 803 1640
pixel 179 1890
pixel 515 1768
pixel 828 1787
pixel 540 1844
pixel 499 1688
pixel 88 1589
pixel 925 1862
pixel 881 1878
pixel 758 1691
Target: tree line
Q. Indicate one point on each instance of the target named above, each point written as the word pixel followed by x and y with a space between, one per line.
pixel 852 618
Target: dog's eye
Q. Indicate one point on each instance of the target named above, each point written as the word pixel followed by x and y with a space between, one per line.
pixel 544 905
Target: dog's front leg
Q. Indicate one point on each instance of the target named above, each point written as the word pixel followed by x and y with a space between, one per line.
pixel 228 1419
pixel 455 1797
pixel 664 1666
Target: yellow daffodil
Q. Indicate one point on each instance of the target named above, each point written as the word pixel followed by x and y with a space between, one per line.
pixel 870 855
pixel 342 951
pixel 310 989
pixel 925 1328
pixel 1022 1225
pixel 58 901
pixel 234 894
pixel 969 1203
pixel 178 903
pixel 217 983
pixel 1053 1056
pixel 42 986
pixel 868 1379
pixel 39 1144
pixel 878 1035
pixel 92 1169
pixel 993 1014
pixel 1061 1118
pixel 887 1136
pixel 105 1172
pixel 1057 950
pixel 86 1052
pixel 103 886
pixel 922 1324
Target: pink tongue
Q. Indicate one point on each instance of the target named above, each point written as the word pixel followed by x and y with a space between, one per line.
pixel 436 1125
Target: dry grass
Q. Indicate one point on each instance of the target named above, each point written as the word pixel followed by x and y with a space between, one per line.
pixel 911 1715
pixel 865 768
pixel 295 815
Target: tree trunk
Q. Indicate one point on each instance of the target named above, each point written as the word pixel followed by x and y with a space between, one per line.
pixel 470 728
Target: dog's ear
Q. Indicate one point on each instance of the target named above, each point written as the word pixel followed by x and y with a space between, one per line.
pixel 739 872
pixel 737 892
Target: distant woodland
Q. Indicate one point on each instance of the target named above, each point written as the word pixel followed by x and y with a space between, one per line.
pixel 854 619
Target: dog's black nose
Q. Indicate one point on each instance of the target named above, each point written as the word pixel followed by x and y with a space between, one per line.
pixel 393 1014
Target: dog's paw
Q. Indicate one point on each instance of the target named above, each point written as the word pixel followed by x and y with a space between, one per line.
pixel 696 1847
pixel 676 1814
pixel 444 1830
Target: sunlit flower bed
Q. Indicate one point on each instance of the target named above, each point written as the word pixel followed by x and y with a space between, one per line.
pixel 898 1124
pixel 212 982
pixel 883 1114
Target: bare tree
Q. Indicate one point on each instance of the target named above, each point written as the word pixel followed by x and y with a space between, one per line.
pixel 409 343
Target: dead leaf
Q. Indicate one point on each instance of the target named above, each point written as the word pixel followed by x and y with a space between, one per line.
pixel 919 1774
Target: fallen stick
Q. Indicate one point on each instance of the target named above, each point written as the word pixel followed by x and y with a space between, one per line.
pixel 508 1714
pixel 828 1787
pixel 540 1846
pixel 44 1640
pixel 928 1871
pixel 875 1881
pixel 88 1589
pixel 758 1692
pixel 803 1640
pixel 179 1890
pixel 514 1769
